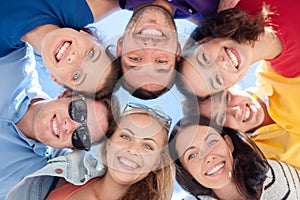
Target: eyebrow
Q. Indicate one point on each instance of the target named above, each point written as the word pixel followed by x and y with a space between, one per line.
pixel 208 135
pixel 211 82
pixel 98 56
pixel 200 62
pixel 193 147
pixel 131 132
pixel 82 80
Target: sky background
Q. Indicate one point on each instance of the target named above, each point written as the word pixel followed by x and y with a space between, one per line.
pixel 110 29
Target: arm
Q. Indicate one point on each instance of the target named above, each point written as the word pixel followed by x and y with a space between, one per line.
pixel 102 8
pixel 225 4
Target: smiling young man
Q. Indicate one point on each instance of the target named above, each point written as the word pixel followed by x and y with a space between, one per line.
pixel 149 50
pixel 30 121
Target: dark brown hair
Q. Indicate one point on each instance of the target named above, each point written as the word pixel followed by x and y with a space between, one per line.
pixel 231 23
pixel 249 165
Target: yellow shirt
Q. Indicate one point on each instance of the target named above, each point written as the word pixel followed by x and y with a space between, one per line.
pixel 283 95
pixel 281 140
pixel 277 143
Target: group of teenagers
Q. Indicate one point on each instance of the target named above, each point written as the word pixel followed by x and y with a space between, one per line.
pixel 229 143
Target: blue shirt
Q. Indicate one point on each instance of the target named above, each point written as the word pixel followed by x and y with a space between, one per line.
pixel 19 17
pixel 200 9
pixel 77 167
pixel 19 155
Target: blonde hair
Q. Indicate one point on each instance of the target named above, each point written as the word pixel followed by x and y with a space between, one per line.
pixel 159 183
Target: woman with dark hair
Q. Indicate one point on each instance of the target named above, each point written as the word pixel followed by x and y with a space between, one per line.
pixel 223 48
pixel 220 163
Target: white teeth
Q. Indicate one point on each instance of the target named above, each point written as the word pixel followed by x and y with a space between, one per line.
pixel 233 58
pixel 54 126
pixel 129 163
pixel 216 169
pixel 60 51
pixel 247 113
pixel 151 31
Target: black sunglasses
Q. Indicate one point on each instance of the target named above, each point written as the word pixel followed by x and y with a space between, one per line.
pixel 78 113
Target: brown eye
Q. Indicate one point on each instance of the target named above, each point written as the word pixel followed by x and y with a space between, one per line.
pixel 135 58
pixel 161 61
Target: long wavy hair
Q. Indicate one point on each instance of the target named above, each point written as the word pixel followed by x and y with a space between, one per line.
pixel 249 165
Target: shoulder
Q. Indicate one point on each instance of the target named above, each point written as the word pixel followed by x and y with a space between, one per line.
pixel 283 181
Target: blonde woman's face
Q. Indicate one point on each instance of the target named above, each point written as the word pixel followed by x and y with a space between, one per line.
pixel 134 150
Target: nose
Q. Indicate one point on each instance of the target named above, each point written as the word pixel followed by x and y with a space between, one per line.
pixel 74 59
pixel 235 111
pixel 133 149
pixel 222 61
pixel 69 126
pixel 209 159
pixel 148 42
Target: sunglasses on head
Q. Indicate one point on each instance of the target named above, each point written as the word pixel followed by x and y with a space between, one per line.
pixel 78 113
pixel 167 120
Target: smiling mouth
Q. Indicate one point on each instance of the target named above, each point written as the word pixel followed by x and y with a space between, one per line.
pixel 61 50
pixel 247 113
pixel 128 163
pixel 151 32
pixel 233 57
pixel 215 169
pixel 54 127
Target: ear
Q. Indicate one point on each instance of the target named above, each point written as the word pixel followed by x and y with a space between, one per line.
pixel 119 46
pixel 83 32
pixel 56 80
pixel 178 52
pixel 229 143
pixel 64 94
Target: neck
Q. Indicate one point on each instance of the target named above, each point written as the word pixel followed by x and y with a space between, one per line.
pixel 268 39
pixel 162 3
pixel 25 124
pixel 267 119
pixel 35 37
pixel 107 188
pixel 228 192
pixel 102 8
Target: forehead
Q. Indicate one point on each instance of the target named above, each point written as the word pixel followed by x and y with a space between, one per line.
pixel 147 76
pixel 142 125
pixel 193 135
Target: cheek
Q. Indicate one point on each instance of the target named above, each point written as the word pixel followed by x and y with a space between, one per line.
pixel 233 123
pixel 195 169
pixel 150 159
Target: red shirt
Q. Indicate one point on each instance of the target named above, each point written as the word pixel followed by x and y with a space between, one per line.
pixel 285 23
